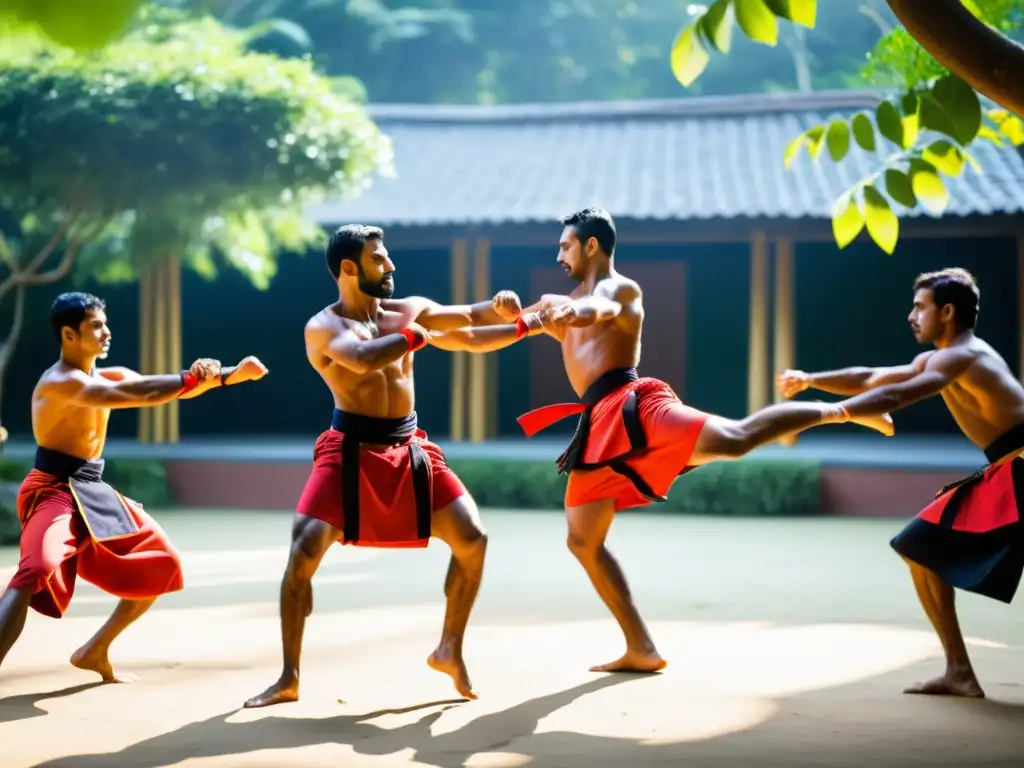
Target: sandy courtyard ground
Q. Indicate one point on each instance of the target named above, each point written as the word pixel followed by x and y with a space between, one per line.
pixel 789 643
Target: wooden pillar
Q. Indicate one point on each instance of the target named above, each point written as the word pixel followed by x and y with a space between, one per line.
pixel 757 362
pixel 460 361
pixel 784 331
pixel 160 344
pixel 482 392
pixel 1020 304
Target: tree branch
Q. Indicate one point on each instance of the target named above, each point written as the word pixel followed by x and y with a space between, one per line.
pixel 7 348
pixel 989 62
pixel 17 276
pixel 58 272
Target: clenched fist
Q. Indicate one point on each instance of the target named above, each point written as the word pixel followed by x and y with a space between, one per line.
pixel 249 369
pixel 561 316
pixel 506 305
pixel 205 369
pixel 792 383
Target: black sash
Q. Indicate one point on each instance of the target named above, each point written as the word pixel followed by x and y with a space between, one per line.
pixel 105 514
pixel 572 457
pixel 359 429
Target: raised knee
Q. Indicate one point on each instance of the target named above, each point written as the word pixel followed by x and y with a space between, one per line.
pixel 582 547
pixel 734 441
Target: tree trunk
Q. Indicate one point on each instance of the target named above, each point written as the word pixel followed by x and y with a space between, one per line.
pixel 989 62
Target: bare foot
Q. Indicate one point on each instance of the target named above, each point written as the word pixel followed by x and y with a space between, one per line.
pixel 881 423
pixel 283 691
pixel 950 685
pixel 634 661
pixel 97 661
pixel 453 666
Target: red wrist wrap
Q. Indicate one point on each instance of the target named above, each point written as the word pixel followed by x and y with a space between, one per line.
pixel 522 329
pixel 188 382
pixel 415 339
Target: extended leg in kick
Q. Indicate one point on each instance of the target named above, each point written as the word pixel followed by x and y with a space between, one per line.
pixel 938 600
pixel 724 438
pixel 458 525
pixel 588 530
pixel 311 538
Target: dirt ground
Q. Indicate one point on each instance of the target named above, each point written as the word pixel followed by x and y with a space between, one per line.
pixel 789 643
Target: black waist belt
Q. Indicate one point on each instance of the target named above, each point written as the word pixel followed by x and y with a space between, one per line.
pixel 358 429
pixel 105 514
pixel 572 457
pixel 1011 441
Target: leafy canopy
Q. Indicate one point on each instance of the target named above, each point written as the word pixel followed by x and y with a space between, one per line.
pixel 918 135
pixel 186 139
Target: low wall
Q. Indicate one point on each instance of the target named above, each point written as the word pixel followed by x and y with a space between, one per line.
pixel 889 492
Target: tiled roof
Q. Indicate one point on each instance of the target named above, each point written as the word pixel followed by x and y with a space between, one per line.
pixel 684 159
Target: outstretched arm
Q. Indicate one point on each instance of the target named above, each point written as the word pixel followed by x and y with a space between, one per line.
pixel 941 369
pixel 590 310
pixel 488 338
pixel 102 392
pixel 227 376
pixel 363 355
pixel 441 317
pixel 850 381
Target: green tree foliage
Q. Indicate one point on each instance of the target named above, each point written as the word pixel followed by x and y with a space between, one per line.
pixel 919 135
pixel 72 23
pixel 172 142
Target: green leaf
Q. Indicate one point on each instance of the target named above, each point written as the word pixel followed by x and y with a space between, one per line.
pixel 890 123
pixel 883 226
pixel 961 104
pixel 847 220
pixel 1013 129
pixel 945 157
pixel 688 58
pixel 815 140
pixel 837 137
pixel 802 12
pixel 793 149
pixel 931 193
pixel 757 22
pixel 934 117
pixel 716 25
pixel 863 132
pixel 897 184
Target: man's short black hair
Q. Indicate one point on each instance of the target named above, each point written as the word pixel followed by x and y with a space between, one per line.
pixel 596 223
pixel 347 243
pixel 69 309
pixel 954 286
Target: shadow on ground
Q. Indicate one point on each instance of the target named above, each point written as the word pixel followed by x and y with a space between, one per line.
pixel 892 731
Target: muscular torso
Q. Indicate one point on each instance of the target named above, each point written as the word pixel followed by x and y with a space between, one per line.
pixel 591 351
pixel 386 393
pixel 77 430
pixel 986 400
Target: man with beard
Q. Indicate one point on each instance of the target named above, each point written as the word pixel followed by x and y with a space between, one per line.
pixel 635 436
pixel 970 535
pixel 376 480
pixel 73 523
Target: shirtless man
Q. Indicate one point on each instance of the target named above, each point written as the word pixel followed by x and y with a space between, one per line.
pixel 969 536
pixel 72 522
pixel 362 347
pixel 635 436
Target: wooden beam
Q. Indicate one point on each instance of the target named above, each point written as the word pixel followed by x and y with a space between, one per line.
pixel 481 391
pixel 784 327
pixel 1020 304
pixel 757 355
pixel 145 418
pixel 174 361
pixel 159 341
pixel 460 362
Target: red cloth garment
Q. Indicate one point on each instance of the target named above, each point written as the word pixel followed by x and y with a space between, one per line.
pixel 971 533
pixel 635 438
pixel 56 547
pixel 389 512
